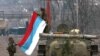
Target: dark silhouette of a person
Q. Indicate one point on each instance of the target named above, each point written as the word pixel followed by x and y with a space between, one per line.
pixel 11 47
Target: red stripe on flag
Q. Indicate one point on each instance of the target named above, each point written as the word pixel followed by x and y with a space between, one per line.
pixel 29 29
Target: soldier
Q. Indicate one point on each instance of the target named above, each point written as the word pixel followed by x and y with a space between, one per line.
pixel 44 16
pixel 11 47
pixel 42 13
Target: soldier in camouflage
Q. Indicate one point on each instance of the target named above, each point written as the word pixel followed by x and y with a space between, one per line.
pixel 11 47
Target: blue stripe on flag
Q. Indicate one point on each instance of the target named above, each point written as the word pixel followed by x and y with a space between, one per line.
pixel 29 40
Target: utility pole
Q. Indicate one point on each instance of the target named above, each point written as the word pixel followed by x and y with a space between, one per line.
pixel 77 7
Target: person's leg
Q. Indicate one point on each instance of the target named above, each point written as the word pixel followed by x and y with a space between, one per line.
pixel 11 54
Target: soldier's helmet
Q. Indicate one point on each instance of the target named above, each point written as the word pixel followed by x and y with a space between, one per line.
pixel 75 31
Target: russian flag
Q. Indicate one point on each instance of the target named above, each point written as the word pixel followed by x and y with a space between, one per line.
pixel 31 37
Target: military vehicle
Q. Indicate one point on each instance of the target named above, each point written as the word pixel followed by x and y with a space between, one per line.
pixel 69 44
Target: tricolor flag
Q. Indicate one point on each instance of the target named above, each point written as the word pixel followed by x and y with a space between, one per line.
pixel 31 37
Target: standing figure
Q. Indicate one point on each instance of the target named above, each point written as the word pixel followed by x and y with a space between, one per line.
pixel 11 47
pixel 44 16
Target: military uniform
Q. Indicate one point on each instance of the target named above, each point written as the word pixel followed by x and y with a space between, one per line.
pixel 11 47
